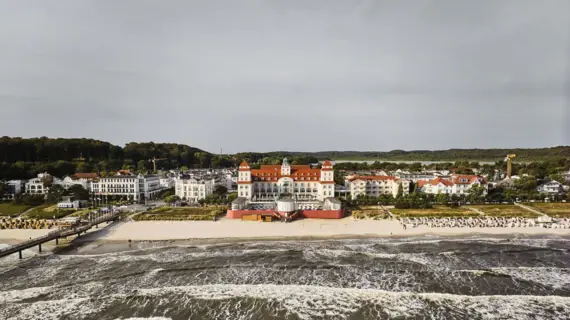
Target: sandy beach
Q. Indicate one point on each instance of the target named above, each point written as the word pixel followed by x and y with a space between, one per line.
pixel 345 228
pixel 237 229
pixel 22 234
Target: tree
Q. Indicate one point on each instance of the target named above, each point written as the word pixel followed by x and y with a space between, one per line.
pixel 78 192
pixel 475 193
pixel 47 181
pixel 400 191
pixel 232 196
pixel 166 193
pixel 54 193
pixel 338 177
pixel 527 184
pixel 414 187
pixel 2 190
pixel 29 199
pixel 172 199
pixel 141 166
pixel 184 168
pixel 220 190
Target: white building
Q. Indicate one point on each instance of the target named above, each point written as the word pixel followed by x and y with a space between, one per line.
pixel 551 187
pixel 68 182
pixel 274 181
pixel 13 188
pixel 226 180
pixel 193 190
pixel 167 182
pixel 85 179
pixel 374 186
pixel 417 176
pixel 70 203
pixel 130 187
pixel 457 184
pixel 36 185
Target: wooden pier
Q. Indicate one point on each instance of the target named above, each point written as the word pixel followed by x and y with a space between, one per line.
pixel 56 235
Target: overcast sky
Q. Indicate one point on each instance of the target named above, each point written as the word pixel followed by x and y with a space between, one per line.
pixel 288 75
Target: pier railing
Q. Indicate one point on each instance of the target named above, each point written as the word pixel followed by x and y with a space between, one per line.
pixel 56 234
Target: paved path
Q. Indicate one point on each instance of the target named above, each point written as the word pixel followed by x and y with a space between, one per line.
pixel 530 209
pixel 479 212
pixel 23 213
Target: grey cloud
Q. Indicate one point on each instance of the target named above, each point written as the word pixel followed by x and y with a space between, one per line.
pixel 289 75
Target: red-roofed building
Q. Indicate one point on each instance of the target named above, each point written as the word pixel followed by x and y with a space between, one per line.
pixel 300 181
pixel 456 184
pixel 86 175
pixel 375 186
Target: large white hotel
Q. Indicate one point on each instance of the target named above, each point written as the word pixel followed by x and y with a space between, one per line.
pixel 271 182
pixel 131 187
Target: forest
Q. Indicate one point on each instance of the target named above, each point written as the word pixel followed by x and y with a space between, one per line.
pixel 22 158
pixel 447 155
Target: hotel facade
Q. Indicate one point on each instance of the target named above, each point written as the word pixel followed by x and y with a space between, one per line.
pixel 300 182
pixel 131 187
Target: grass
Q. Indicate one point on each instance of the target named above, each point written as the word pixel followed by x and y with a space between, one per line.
pixel 180 213
pixel 436 212
pixel 506 210
pixel 555 210
pixel 81 212
pixel 12 209
pixel 48 212
pixel 374 214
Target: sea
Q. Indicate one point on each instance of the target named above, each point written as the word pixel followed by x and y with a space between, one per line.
pixel 408 278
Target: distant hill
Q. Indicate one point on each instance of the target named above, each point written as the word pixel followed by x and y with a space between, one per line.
pixel 24 158
pixel 540 154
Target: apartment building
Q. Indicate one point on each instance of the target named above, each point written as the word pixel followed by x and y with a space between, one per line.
pixel 374 186
pixel 192 190
pixel 456 184
pixel 131 187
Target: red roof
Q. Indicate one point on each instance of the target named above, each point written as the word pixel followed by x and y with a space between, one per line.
pixel 445 182
pixel 243 166
pixel 467 179
pixel 86 175
pixel 462 179
pixel 327 166
pixel 273 173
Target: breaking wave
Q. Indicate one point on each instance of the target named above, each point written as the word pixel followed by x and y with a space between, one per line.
pixel 473 278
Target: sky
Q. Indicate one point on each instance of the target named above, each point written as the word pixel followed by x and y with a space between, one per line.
pixel 296 75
